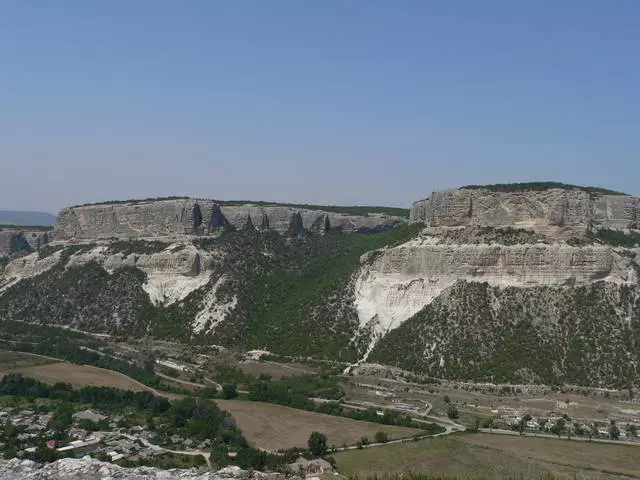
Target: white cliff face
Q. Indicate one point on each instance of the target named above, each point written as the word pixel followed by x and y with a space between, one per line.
pixel 26 267
pixel 401 281
pixel 172 274
pixel 214 309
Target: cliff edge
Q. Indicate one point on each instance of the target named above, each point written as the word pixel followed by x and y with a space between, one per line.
pixel 565 207
pixel 188 216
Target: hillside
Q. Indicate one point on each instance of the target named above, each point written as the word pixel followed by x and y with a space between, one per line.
pixel 22 218
pixel 483 284
pixel 244 290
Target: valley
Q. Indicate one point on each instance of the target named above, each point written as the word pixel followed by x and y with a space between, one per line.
pixel 485 317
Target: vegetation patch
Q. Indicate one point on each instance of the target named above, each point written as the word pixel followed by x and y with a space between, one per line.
pixel 547 335
pixel 293 294
pixel 195 419
pixel 131 201
pixel 615 238
pixel 141 247
pixel 539 186
pixel 348 210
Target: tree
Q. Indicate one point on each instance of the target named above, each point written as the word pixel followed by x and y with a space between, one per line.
pixel 62 418
pixel 317 444
pixel 452 412
pixel 381 437
pixel 475 426
pixel 632 430
pixel 523 422
pixel 593 431
pixel 488 423
pixel 447 400
pixel 614 432
pixel 558 427
pixel 229 390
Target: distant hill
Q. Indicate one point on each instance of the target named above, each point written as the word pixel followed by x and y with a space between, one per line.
pixel 17 217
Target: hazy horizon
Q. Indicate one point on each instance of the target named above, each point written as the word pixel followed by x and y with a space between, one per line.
pixel 337 102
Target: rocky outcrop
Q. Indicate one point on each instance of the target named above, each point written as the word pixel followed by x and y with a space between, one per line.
pixel 15 240
pixel 191 216
pixel 398 282
pixel 89 468
pixel 554 207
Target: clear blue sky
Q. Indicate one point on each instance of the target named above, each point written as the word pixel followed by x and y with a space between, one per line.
pixel 324 101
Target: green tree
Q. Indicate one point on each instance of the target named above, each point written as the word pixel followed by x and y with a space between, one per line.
pixel 317 444
pixel 614 432
pixel 452 412
pixel 381 437
pixel 62 418
pixel 593 431
pixel 447 400
pixel 488 423
pixel 522 425
pixel 558 427
pixel 632 430
pixel 229 390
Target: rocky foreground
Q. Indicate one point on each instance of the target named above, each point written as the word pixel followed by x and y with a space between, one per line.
pixel 89 468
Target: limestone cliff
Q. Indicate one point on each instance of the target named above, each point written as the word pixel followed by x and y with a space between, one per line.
pixel 201 216
pixel 18 240
pixel 398 282
pixel 555 264
pixel 553 207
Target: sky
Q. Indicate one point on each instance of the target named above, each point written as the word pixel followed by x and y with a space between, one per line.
pixel 325 102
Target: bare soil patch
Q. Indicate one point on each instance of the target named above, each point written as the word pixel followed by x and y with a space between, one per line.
pixel 77 375
pixel 273 427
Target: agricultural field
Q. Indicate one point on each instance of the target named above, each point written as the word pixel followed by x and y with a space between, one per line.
pixel 12 360
pixel 274 369
pixel 49 370
pixel 274 427
pixel 494 456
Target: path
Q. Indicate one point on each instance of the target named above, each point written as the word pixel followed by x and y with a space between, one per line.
pixel 498 431
pixel 158 448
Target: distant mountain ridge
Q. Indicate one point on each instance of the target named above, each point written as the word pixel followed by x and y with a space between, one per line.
pixel 26 217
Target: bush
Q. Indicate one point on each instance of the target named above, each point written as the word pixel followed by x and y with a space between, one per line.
pixel 381 437
pixel 229 391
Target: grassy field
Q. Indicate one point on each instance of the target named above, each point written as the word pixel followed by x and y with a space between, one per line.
pixel 51 371
pixel 273 427
pixel 275 370
pixel 12 360
pixel 495 456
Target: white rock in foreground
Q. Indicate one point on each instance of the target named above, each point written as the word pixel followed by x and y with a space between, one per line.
pixel 87 468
